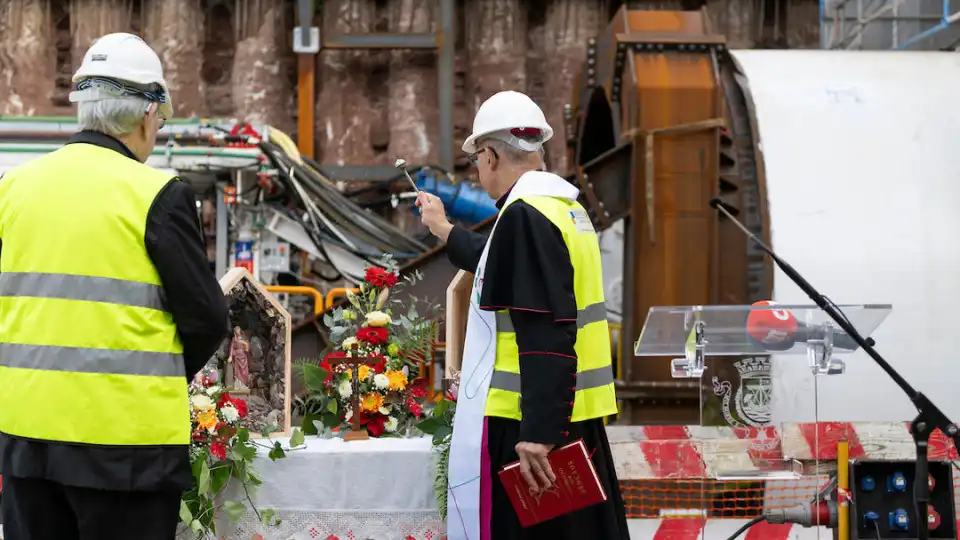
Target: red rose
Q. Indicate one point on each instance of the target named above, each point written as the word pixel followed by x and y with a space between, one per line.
pixel 378 277
pixel 418 390
pixel 373 336
pixel 219 450
pixel 377 362
pixel 328 367
pixel 377 425
pixel 240 405
pixel 415 408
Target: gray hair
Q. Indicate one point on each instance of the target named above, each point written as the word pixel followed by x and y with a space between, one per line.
pixel 115 116
pixel 511 153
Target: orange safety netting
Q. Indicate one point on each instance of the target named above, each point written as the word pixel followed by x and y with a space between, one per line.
pixel 652 499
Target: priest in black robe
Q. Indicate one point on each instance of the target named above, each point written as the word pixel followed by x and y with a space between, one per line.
pixel 528 268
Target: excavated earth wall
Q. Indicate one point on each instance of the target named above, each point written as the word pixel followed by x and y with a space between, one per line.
pixel 234 58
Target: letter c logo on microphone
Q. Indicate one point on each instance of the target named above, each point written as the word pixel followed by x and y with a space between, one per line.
pixel 771 326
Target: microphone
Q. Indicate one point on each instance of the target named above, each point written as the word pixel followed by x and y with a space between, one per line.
pixel 779 330
pixel 772 328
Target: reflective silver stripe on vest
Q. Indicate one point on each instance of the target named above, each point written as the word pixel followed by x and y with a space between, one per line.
pixel 591 378
pixel 87 288
pixel 106 361
pixel 590 314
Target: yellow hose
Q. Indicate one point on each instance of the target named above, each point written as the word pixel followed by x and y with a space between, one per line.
pixel 843 490
pixel 289 148
pixel 285 143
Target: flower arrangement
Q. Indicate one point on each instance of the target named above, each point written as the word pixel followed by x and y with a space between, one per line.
pixel 440 425
pixel 221 451
pixel 395 348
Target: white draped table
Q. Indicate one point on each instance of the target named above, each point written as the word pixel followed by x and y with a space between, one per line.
pixel 380 489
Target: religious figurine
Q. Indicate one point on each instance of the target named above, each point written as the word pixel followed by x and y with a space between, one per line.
pixel 237 380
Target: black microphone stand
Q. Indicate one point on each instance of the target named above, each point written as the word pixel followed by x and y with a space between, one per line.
pixel 930 417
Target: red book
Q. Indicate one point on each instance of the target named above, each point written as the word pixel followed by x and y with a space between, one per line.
pixel 577 486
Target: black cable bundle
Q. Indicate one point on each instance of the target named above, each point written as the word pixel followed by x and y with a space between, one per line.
pixel 334 218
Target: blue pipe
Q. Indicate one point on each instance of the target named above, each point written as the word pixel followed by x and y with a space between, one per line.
pixel 462 201
pixel 823 24
pixel 944 23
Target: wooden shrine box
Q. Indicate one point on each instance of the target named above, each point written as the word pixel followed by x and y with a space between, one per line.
pixel 253 308
pixel 458 307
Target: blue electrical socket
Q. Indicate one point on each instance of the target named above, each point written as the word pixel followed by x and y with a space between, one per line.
pixel 899 520
pixel 870 517
pixel 867 483
pixel 897 482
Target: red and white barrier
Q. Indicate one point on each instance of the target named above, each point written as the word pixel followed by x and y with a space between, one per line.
pixel 676 452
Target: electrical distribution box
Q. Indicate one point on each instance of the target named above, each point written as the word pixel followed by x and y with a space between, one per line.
pixel 274 255
pixel 882 506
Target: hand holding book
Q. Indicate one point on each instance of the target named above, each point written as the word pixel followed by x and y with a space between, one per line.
pixel 535 465
pixel 574 484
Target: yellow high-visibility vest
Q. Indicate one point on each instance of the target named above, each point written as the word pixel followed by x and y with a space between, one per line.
pixel 87 352
pixel 595 394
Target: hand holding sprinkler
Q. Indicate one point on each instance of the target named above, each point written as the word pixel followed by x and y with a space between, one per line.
pixel 402 165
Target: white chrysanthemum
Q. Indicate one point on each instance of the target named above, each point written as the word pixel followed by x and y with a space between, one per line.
pixel 201 402
pixel 381 381
pixel 213 390
pixel 391 424
pixel 385 410
pixel 348 343
pixel 230 413
pixel 346 389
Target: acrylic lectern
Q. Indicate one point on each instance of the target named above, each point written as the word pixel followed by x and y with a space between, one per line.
pixel 695 332
pixel 757 340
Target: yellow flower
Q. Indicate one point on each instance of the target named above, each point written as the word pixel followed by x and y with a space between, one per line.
pixel 364 372
pixel 398 381
pixel 371 402
pixel 207 419
pixel 378 319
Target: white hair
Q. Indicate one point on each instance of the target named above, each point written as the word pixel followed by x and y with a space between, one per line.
pixel 115 116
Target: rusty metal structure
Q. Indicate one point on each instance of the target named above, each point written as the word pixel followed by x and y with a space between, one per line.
pixel 308 40
pixel 660 123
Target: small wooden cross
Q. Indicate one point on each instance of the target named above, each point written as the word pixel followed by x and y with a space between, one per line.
pixel 357 432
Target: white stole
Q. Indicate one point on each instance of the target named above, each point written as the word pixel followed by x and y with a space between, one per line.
pixel 479 356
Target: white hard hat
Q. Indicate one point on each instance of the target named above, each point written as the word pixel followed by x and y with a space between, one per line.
pixel 509 115
pixel 121 58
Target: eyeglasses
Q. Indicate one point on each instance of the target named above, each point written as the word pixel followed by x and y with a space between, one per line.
pixel 161 121
pixel 475 157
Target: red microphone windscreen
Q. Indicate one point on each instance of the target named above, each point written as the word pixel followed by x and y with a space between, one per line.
pixel 771 326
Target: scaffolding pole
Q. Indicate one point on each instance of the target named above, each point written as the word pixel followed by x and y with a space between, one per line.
pixel 843 23
pixel 945 22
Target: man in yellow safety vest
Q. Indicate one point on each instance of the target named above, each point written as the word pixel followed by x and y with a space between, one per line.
pixel 536 370
pixel 107 308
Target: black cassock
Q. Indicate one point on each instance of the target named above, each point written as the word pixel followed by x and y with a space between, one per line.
pixel 529 272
